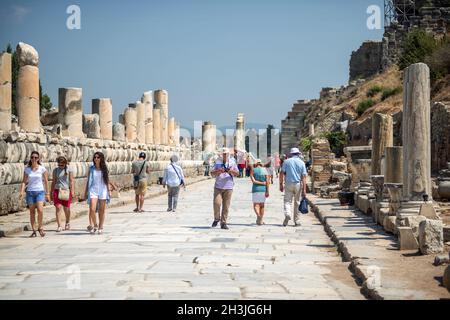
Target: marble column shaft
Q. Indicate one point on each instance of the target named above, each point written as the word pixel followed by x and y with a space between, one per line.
pixel 140 121
pixel 382 137
pixel 171 131
pixel 162 102
pixel 394 165
pixel 147 100
pixel 130 117
pixel 103 107
pixel 208 137
pixel 5 91
pixel 157 126
pixel 416 132
pixel 70 112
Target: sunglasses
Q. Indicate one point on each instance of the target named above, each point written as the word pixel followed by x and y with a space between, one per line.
pixel 34 157
pixel 96 157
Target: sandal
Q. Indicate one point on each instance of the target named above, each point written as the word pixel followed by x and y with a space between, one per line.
pixel 67 226
pixel 41 232
pixel 33 235
pixel 136 210
pixel 59 229
pixel 100 231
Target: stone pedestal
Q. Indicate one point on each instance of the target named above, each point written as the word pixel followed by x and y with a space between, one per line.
pixel 162 102
pixel 382 137
pixel 118 132
pixel 27 95
pixel 130 117
pixel 416 132
pixel 378 186
pixel 5 92
pixel 395 195
pixel 157 126
pixel 147 100
pixel 103 107
pixel 70 112
pixel 91 126
pixel 171 131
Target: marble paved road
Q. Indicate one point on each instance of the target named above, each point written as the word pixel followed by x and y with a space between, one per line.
pixel 161 255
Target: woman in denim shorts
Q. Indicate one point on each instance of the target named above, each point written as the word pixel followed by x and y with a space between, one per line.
pixel 35 178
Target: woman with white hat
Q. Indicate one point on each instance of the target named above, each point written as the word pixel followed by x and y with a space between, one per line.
pixel 260 190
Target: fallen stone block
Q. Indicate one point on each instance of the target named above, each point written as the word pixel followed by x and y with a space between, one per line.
pixel 427 210
pixel 440 260
pixel 389 224
pixel 406 238
pixel 431 237
pixel 413 222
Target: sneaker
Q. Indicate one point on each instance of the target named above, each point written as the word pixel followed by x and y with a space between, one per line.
pixel 224 226
pixel 174 210
pixel 169 209
pixel 286 221
pixel 215 223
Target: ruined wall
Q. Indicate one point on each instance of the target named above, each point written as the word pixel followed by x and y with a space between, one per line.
pixel 366 61
pixel 16 148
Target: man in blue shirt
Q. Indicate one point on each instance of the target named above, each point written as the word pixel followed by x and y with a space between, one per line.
pixel 293 173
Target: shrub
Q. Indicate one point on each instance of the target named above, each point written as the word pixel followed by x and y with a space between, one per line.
pixel 337 141
pixel 387 92
pixel 373 91
pixel 416 47
pixel 306 144
pixel 439 61
pixel 364 105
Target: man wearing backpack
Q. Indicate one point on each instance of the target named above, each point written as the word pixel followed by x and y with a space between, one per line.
pixel 174 179
pixel 140 169
pixel 293 173
pixel 225 169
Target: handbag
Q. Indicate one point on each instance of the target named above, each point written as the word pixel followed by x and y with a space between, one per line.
pixel 64 194
pixel 136 178
pixel 303 207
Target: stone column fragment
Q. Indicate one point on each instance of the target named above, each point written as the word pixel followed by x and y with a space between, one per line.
pixel 416 132
pixel 157 126
pixel 130 117
pixel 239 139
pixel 91 126
pixel 70 112
pixel 27 95
pixel 171 131
pixel 118 132
pixel 162 102
pixel 103 107
pixel 140 120
pixel 177 134
pixel 394 165
pixel 5 92
pixel 382 137
pixel 147 100
pixel 208 137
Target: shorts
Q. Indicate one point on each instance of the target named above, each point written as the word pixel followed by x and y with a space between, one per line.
pixel 34 197
pixel 56 200
pixel 259 197
pixel 141 189
pixel 103 195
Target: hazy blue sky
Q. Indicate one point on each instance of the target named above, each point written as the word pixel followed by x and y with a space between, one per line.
pixel 215 57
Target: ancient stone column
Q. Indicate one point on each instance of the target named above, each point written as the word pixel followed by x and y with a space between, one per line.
pixel 140 121
pixel 130 117
pixel 177 134
pixel 103 107
pixel 239 138
pixel 208 137
pixel 27 95
pixel 157 126
pixel 70 112
pixel 382 137
pixel 161 102
pixel 122 119
pixel 311 129
pixel 416 132
pixel 171 131
pixel 394 165
pixel 5 92
pixel 147 100
pixel 118 132
pixel 91 126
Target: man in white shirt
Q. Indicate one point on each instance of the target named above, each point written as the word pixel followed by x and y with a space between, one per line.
pixel 174 179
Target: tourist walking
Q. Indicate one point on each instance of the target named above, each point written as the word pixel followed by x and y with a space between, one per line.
pixel 174 179
pixel 277 162
pixel 140 170
pixel 270 168
pixel 97 192
pixel 260 190
pixel 225 168
pixel 61 191
pixel 293 183
pixel 35 180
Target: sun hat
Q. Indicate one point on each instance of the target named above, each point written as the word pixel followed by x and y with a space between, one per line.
pixel 295 151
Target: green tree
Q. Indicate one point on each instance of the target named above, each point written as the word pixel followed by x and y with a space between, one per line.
pixel 416 47
pixel 337 140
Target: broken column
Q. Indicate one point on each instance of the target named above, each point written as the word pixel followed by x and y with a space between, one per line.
pixel 393 177
pixel 416 133
pixel 156 125
pixel 118 132
pixel 177 134
pixel 147 100
pixel 140 120
pixel 27 95
pixel 239 138
pixel 161 102
pixel 130 118
pixel 5 92
pixel 70 112
pixel 103 107
pixel 208 137
pixel 171 131
pixel 382 137
pixel 91 126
